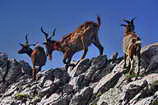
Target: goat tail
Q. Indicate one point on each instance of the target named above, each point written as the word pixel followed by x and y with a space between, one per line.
pixel 98 21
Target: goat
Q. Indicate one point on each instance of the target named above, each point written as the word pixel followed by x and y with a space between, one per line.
pixel 37 55
pixel 131 44
pixel 80 39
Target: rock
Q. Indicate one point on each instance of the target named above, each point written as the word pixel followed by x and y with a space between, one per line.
pixel 63 100
pixel 61 74
pixel 153 100
pixel 54 75
pixel 26 68
pixel 111 97
pixel 79 82
pixel 49 100
pixel 94 75
pixel 82 97
pixel 153 66
pixel 104 103
pixel 96 81
pixel 11 71
pixel 134 88
pixel 68 89
pixel 107 82
pixel 149 56
pixel 99 62
pixel 114 56
pixel 80 68
pixel 49 90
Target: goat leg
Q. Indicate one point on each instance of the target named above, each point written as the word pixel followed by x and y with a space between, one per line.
pixel 85 50
pixel 129 66
pixel 40 68
pixel 67 61
pixel 34 73
pixel 125 57
pixel 139 61
pixel 132 67
pixel 96 42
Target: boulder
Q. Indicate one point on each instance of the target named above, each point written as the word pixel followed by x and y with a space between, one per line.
pixel 82 97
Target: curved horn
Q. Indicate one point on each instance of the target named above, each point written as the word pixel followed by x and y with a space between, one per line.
pixel 123 25
pixel 26 38
pixel 99 20
pixel 21 44
pixel 53 33
pixel 127 21
pixel 132 21
pixel 46 34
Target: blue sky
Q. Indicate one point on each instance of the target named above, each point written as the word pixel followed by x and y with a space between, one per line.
pixel 20 16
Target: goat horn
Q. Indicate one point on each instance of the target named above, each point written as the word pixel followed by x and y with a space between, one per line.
pixel 26 38
pixel 53 33
pixel 21 44
pixel 127 21
pixel 123 25
pixel 46 34
pixel 133 19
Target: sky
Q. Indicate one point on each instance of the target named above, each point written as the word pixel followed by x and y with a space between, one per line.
pixel 18 17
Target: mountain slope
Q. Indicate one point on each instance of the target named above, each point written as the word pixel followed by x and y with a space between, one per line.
pixel 96 81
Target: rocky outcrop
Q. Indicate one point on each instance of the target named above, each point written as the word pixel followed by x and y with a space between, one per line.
pixel 11 70
pixel 96 81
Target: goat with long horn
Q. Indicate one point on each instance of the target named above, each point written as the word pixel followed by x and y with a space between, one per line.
pixel 131 44
pixel 85 35
pixel 37 55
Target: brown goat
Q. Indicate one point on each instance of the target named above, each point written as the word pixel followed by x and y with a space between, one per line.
pixel 80 39
pixel 37 55
pixel 131 44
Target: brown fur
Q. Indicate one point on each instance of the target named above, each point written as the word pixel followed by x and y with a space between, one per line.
pixel 80 39
pixel 37 55
pixel 131 45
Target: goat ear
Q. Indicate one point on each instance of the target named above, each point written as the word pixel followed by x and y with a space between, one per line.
pixel 123 25
pixel 44 43
pixel 21 44
pixel 127 21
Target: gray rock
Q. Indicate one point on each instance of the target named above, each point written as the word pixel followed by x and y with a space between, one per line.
pixel 134 90
pixel 79 82
pixel 149 57
pixel 107 82
pixel 114 56
pixel 99 62
pixel 82 97
pixel 96 81
pixel 49 90
pixel 80 68
pixel 11 71
pixel 111 97
pixel 61 74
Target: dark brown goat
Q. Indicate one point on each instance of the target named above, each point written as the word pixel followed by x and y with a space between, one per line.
pixel 37 56
pixel 80 39
pixel 131 45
